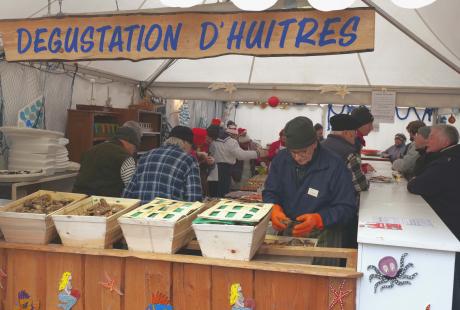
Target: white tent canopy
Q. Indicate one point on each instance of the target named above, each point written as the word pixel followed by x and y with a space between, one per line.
pixel 397 61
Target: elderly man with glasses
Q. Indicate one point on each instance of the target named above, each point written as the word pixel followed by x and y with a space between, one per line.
pixel 310 187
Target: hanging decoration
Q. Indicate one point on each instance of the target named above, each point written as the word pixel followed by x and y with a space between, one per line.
pixel 184 114
pixel 110 284
pixel 331 5
pixel 389 274
pixel 341 91
pixel 451 119
pixel 412 4
pixel 3 275
pixel 227 87
pixel 25 302
pixel 428 112
pixel 32 115
pixel 331 112
pixel 68 296
pixel 273 101
pixel 263 105
pixel 237 300
pixel 337 295
pixel 160 302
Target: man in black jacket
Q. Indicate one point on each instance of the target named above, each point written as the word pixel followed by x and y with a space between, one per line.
pixel 439 185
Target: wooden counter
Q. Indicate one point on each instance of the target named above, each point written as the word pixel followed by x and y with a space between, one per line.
pixel 189 281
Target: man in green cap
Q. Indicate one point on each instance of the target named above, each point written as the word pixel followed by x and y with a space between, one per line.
pixel 108 167
pixel 309 185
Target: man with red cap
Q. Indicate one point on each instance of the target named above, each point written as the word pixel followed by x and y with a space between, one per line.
pixel 200 152
pixel 276 146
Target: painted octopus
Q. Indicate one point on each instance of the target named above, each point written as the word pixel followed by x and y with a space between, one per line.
pixel 237 300
pixel 67 296
pixel 388 273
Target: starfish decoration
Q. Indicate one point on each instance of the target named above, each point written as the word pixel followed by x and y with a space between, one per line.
pixel 341 91
pixel 110 284
pixel 339 295
pixel 227 87
pixel 2 275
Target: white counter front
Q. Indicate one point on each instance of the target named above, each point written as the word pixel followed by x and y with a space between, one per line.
pixel 393 222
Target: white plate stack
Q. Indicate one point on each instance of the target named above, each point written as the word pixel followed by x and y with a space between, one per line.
pixel 32 149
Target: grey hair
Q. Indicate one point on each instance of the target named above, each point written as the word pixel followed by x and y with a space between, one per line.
pixel 184 145
pixel 448 131
pixel 134 125
pixel 424 131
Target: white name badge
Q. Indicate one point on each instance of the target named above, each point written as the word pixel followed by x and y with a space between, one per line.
pixel 313 192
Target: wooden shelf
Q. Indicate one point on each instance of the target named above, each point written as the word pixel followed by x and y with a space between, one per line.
pixel 81 127
pixel 151 133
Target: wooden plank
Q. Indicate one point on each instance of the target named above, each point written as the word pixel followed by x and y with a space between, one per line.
pixel 96 296
pixel 56 265
pixel 189 35
pixel 349 301
pixel 275 290
pixel 27 271
pixel 223 278
pixel 144 278
pixel 178 258
pixel 191 287
pixel 3 278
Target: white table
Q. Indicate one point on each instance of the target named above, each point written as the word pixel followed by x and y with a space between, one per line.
pixel 424 237
pixel 62 181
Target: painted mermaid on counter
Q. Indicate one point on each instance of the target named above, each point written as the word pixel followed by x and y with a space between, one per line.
pixel 67 296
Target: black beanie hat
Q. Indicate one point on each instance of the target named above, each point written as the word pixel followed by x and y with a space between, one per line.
pixel 183 133
pixel 362 115
pixel 128 134
pixel 341 122
pixel 299 133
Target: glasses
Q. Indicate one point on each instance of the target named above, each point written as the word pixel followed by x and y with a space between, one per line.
pixel 304 152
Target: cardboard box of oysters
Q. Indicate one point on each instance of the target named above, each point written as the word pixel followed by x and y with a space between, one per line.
pixel 28 220
pixel 92 222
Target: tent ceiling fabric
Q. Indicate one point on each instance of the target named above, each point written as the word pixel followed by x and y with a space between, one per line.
pixel 397 60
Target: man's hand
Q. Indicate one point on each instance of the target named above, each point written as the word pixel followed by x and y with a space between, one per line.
pixel 278 217
pixel 309 222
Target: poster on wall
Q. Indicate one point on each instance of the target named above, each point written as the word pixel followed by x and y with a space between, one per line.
pixel 191 35
pixel 383 106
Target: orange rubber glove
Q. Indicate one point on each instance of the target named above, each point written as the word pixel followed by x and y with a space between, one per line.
pixel 278 217
pixel 309 222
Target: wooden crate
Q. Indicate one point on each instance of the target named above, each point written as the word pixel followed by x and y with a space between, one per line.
pixel 239 242
pixel 97 232
pixel 160 234
pixel 31 228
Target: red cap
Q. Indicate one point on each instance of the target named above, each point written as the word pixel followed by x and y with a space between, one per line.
pixel 216 122
pixel 199 136
pixel 241 131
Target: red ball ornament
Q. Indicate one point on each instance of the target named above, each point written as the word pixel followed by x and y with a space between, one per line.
pixel 273 101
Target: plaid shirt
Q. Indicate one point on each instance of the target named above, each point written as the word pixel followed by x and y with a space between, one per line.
pixel 166 172
pixel 360 181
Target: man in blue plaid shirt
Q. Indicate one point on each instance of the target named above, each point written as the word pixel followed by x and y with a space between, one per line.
pixel 168 171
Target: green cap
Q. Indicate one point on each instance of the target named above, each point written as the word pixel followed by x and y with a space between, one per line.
pixel 299 133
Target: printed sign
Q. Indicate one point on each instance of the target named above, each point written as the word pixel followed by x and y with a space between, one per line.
pixel 189 35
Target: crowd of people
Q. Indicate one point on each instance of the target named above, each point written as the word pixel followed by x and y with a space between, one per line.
pixel 313 182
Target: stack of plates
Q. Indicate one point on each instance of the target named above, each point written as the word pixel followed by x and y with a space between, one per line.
pixel 32 149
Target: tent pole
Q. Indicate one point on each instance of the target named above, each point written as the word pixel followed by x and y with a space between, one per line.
pixel 412 35
pixel 165 66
